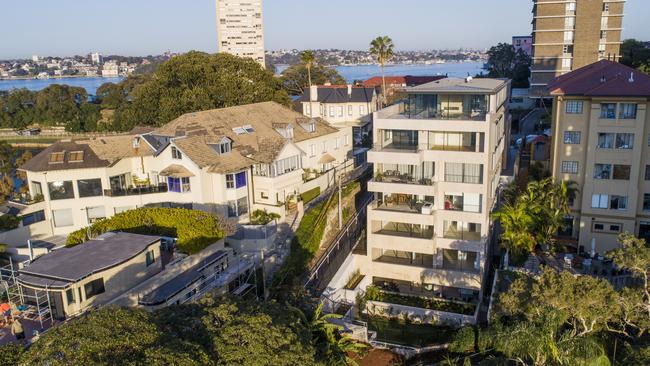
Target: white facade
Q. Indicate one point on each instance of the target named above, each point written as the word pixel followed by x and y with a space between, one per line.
pixel 437 167
pixel 240 29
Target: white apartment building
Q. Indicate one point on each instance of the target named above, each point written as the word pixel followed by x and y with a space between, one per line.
pixel 240 28
pixel 225 161
pixel 437 161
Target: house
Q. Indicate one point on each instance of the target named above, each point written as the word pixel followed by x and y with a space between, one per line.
pixel 225 161
pixel 91 274
pixel 600 131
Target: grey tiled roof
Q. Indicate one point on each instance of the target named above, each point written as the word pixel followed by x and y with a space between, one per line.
pixel 339 94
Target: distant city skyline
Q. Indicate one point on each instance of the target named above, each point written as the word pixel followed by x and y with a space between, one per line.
pixel 149 27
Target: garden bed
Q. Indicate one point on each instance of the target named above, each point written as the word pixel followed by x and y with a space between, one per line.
pixel 408 334
pixel 425 303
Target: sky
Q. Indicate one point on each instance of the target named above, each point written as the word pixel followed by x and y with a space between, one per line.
pixel 144 27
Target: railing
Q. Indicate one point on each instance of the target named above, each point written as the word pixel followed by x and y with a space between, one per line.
pixel 462 235
pixel 135 191
pixel 392 177
pixel 27 199
pixel 463 178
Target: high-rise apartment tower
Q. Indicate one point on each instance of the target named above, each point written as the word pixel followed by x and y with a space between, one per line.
pixel 240 29
pixel 570 34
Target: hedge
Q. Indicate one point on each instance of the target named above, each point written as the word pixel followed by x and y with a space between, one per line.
pixel 310 195
pixel 195 230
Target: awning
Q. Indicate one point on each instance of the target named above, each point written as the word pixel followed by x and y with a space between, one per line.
pixel 325 159
pixel 176 171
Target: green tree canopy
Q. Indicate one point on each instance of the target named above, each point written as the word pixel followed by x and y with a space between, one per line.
pixel 635 54
pixel 198 81
pixel 505 62
pixel 296 77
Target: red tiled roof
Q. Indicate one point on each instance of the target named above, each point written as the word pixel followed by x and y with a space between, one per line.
pixel 602 79
pixel 407 80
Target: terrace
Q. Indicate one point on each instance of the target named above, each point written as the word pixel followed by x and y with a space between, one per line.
pixel 405 174
pixel 404 203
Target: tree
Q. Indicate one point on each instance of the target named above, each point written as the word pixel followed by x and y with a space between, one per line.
pixel 296 77
pixel 382 49
pixel 308 58
pixel 505 62
pixel 198 81
pixel 634 256
pixel 58 104
pixel 516 220
pixel 635 54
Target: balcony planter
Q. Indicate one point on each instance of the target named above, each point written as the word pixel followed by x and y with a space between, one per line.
pixel 418 315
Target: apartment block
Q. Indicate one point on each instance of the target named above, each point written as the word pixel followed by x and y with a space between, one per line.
pixel 570 34
pixel 601 141
pixel 438 159
pixel 240 28
pixel 225 161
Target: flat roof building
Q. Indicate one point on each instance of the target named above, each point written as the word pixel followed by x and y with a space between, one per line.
pixel 568 35
pixel 240 28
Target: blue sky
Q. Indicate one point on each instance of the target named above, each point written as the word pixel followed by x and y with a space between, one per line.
pixel 142 27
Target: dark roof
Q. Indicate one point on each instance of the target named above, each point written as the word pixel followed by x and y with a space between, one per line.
pixel 339 94
pixel 171 288
pixel 602 79
pixel 158 143
pixel 68 265
pixel 41 162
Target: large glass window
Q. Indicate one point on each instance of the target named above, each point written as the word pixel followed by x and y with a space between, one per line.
pixel 606 140
pixel 464 173
pixel 61 190
pixel 618 203
pixel 94 288
pixel 90 187
pixel 646 202
pixel 628 111
pixel 284 166
pixel 569 167
pixel 240 180
pixel 621 172
pixel 624 140
pixel 572 137
pixel 599 201
pixel 458 260
pixel 176 154
pixel 178 185
pixel 608 110
pixel 34 217
pixel 602 171
pixel 238 207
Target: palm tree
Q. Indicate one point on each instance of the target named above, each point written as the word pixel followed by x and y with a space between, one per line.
pixel 307 57
pixel 382 49
pixel 516 221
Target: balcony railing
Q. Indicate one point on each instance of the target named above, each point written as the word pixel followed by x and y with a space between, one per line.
pixel 420 260
pixel 453 233
pixel 406 230
pixel 135 191
pixel 408 206
pixel 391 176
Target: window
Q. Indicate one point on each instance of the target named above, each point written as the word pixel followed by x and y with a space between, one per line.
pixel 647 172
pixel 238 208
pixel 230 181
pixel 308 109
pixel 332 111
pixel 624 140
pixel 346 140
pixel 94 288
pixel 340 111
pixel 337 143
pixel 34 217
pixel 284 166
pixel 36 189
pixel 566 63
pixel 150 259
pixel 224 147
pixel 178 185
pixel 570 167
pixel 312 150
pixel 646 202
pixel 618 203
pixel 240 180
pixel 599 201
pixel 608 110
pixel 602 171
pixel 349 110
pixel 76 156
pixel 69 296
pixel 621 172
pixel 574 107
pixel 571 137
pixel 57 158
pixel 615 228
pixel 324 147
pixel 606 227
pixel 61 190
pixel 606 140
pixel 464 173
pixel 628 111
pixel 176 154
pixel 62 218
pixel 362 110
pixel 567 48
pixel 605 6
pixel 95 214
pixel 90 187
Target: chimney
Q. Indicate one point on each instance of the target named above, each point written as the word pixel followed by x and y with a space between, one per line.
pixel 313 93
pixel 349 90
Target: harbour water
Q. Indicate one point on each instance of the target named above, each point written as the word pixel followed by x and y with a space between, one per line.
pixel 350 73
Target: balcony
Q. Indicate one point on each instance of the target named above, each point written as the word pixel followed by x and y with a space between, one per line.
pixel 403 258
pixel 460 261
pixel 399 229
pixel 466 203
pixel 445 107
pixel 403 203
pixel 405 174
pixel 458 232
pixel 135 191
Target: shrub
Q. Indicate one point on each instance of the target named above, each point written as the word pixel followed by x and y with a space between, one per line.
pixel 194 229
pixel 310 195
pixel 9 222
pixel 261 217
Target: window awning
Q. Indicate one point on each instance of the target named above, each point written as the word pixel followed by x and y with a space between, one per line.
pixel 176 171
pixel 325 159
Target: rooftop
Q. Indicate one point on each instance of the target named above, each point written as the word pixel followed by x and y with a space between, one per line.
pixel 460 86
pixel 602 79
pixel 339 94
pixel 68 265
pixel 408 80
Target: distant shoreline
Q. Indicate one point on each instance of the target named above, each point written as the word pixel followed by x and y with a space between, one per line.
pixel 55 77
